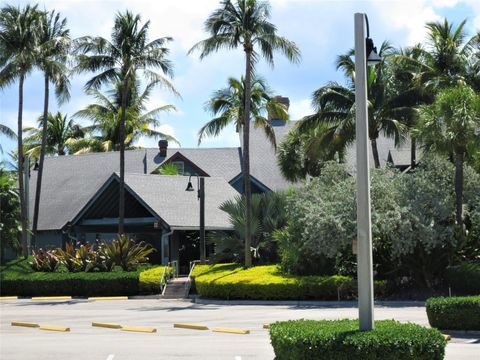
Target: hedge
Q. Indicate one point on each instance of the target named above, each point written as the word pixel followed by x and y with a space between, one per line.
pixel 17 278
pixel 149 280
pixel 267 282
pixel 341 340
pixel 464 278
pixel 454 313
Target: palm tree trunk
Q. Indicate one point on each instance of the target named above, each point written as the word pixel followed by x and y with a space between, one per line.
pixel 246 158
pixel 341 155
pixel 21 189
pixel 121 194
pixel 40 165
pixel 413 154
pixel 376 159
pixel 459 161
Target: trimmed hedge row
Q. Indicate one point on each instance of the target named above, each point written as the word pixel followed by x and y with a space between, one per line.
pixel 465 278
pixel 74 284
pixel 17 278
pixel 454 313
pixel 149 280
pixel 231 281
pixel 341 340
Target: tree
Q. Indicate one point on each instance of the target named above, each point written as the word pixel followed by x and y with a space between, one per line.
pixel 106 116
pixel 6 131
pixel 9 212
pixel 245 23
pixel 335 106
pixel 18 41
pixel 450 126
pixel 52 51
pixel 60 132
pixel 119 61
pixel 268 216
pixel 227 105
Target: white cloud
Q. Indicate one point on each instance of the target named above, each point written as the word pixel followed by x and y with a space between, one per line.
pixel 300 108
pixel 147 142
pixel 227 138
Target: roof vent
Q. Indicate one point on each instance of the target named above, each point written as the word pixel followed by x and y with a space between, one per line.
pixel 162 147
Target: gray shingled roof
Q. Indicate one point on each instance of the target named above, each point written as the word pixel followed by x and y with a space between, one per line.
pixel 166 196
pixel 263 158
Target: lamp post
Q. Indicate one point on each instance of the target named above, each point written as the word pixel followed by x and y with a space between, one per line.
pixel 201 197
pixel 365 53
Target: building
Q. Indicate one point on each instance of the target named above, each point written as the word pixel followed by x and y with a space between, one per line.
pixel 79 199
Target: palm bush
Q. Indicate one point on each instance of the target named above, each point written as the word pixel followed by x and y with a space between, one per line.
pixel 125 253
pixel 268 216
pixel 44 260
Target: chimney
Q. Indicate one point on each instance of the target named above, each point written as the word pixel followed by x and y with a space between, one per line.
pixel 272 117
pixel 162 147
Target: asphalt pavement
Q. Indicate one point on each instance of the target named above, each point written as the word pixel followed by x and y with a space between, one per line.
pixel 87 342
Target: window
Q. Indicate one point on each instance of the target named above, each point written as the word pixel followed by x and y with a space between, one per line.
pixel 180 166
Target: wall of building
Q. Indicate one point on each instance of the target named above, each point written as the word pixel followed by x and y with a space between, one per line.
pixel 49 239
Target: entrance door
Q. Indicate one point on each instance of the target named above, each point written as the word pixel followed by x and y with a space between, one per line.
pixel 188 250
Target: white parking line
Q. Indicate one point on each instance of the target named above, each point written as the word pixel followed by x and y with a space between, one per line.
pixel 110 357
pixel 238 358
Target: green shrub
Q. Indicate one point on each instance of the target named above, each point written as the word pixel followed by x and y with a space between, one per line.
pixel 454 313
pixel 18 278
pixel 149 280
pixel 465 278
pixel 341 340
pixel 231 281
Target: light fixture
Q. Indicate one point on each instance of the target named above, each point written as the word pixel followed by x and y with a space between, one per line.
pixel 371 51
pixel 189 185
pixel 372 57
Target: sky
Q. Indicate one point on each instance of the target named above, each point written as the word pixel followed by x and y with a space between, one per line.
pixel 321 29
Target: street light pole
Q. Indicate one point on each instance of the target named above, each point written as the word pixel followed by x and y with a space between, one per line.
pixel 201 196
pixel 364 230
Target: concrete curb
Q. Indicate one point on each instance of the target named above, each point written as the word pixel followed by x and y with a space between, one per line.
pixel 460 333
pixel 333 304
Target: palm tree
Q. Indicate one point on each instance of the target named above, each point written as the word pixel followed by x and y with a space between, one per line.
pixel 18 41
pixel 106 116
pixel 268 216
pixel 335 105
pixel 227 105
pixel 245 23
pixel 52 51
pixel 450 126
pixel 60 131
pixel 6 131
pixel 119 60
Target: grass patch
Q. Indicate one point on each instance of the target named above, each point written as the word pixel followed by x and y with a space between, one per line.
pixel 341 340
pixel 268 282
pixel 454 313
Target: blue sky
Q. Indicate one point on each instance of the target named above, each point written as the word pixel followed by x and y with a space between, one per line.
pixel 321 29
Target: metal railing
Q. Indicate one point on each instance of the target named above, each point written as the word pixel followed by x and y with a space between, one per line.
pixel 163 280
pixel 188 285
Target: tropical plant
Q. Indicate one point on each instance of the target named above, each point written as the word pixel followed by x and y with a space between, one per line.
pixel 9 133
pixel 335 107
pixel 60 133
pixel 18 42
pixel 227 105
pixel 52 51
pixel 9 212
pixel 119 61
pixel 83 257
pixel 106 116
pixel 245 23
pixel 44 260
pixel 125 252
pixel 168 169
pixel 450 126
pixel 268 216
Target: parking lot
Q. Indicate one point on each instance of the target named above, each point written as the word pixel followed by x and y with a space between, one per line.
pixel 86 342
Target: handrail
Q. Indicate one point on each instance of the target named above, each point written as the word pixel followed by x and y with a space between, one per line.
pixel 188 285
pixel 163 279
